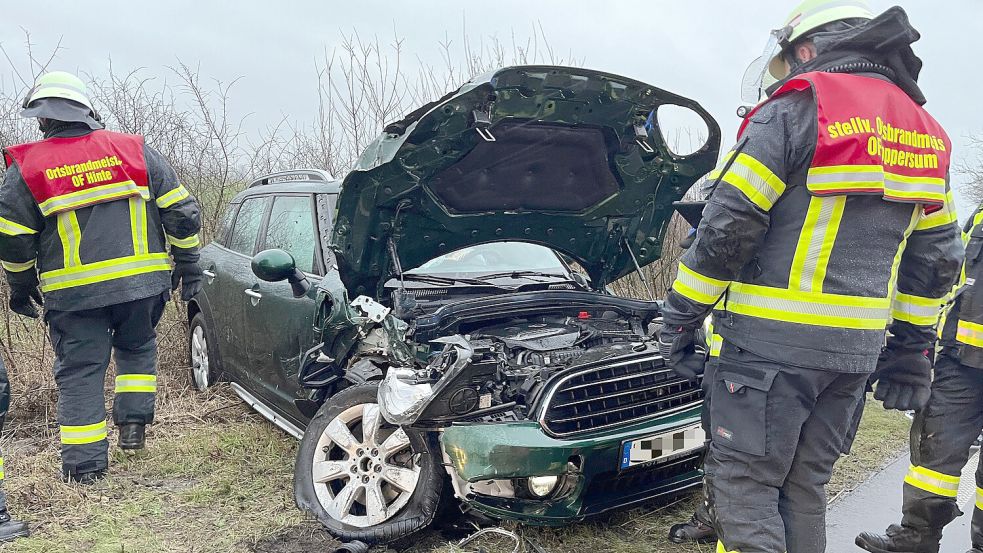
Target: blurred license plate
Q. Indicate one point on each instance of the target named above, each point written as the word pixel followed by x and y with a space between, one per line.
pixel 662 447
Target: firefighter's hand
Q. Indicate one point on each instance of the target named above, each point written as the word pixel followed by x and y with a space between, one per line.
pixel 904 379
pixel 188 275
pixel 24 293
pixel 677 344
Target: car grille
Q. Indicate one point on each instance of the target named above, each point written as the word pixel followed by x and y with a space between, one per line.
pixel 616 394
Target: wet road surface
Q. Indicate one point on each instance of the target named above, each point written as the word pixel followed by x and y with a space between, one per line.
pixel 877 503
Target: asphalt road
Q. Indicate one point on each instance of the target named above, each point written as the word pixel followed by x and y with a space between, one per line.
pixel 877 503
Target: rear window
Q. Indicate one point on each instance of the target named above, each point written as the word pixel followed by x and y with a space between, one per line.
pixel 246 228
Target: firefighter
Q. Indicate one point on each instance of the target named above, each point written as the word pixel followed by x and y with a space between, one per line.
pixel 944 431
pixel 10 529
pixel 832 218
pixel 86 216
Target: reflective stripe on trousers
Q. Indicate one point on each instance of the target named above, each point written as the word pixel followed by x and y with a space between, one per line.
pixel 139 383
pixel 85 434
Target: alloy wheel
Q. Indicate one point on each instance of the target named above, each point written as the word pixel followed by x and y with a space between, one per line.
pixel 199 357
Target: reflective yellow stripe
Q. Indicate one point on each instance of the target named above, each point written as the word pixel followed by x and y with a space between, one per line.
pixel 932 482
pixel 753 178
pixel 945 216
pixel 138 225
pixel 874 179
pixel 136 383
pixel 15 267
pixel 716 342
pixel 94 195
pixel 1 468
pixel 697 287
pixel 87 434
pixel 969 333
pixel 979 493
pixel 722 549
pixel 71 238
pixel 11 228
pixel 916 310
pixel 815 245
pixel 103 270
pixel 810 308
pixel 189 242
pixel 172 197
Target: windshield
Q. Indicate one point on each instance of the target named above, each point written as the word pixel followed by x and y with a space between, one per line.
pixel 497 257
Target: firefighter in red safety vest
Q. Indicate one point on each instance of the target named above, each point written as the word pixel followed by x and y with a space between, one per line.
pixel 832 220
pixel 86 217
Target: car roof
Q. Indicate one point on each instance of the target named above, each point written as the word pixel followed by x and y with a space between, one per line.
pixel 307 181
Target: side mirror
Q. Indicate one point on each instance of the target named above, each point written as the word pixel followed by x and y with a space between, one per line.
pixel 276 265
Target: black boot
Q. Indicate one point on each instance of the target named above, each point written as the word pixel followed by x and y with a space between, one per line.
pixel 132 435
pixel 694 530
pixel 85 478
pixel 901 539
pixel 11 529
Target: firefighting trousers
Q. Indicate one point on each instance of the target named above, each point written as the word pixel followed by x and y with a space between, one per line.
pixel 83 342
pixel 4 407
pixel 775 432
pixel 941 437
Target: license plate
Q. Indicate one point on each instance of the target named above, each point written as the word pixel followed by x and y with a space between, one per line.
pixel 662 447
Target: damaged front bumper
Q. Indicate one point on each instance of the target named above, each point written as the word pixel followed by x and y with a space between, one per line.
pixel 490 464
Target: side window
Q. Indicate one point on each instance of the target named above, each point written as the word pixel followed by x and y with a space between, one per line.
pixel 243 237
pixel 291 229
pixel 225 225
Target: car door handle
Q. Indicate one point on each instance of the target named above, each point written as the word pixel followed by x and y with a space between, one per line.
pixel 254 296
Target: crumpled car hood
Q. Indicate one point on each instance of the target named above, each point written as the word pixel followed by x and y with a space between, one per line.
pixel 569 158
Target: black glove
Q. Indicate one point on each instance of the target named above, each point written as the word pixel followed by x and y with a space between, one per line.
pixel 904 379
pixel 24 293
pixel 188 275
pixel 677 344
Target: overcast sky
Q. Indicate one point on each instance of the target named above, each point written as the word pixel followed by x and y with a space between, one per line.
pixel 697 48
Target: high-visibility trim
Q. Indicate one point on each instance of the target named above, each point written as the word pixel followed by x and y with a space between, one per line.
pixel 969 333
pixel 138 225
pixel 752 178
pixel 15 267
pixel 722 549
pixel 810 308
pixel 979 496
pixel 822 223
pixel 932 481
pixel 11 228
pixel 136 383
pixel 977 219
pixel 190 242
pixel 872 179
pixel 892 283
pixel 942 217
pixel 173 197
pixel 716 343
pixel 697 287
pixel 1 468
pixel 104 270
pixel 916 310
pixel 87 434
pixel 94 195
pixel 71 238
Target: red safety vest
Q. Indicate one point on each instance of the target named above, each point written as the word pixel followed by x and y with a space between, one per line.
pixel 873 139
pixel 69 173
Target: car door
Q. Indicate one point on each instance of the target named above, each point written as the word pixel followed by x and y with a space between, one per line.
pixel 233 277
pixel 285 324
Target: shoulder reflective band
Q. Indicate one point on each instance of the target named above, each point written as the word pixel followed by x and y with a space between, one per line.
pixel 71 237
pixel 18 267
pixel 979 492
pixel 89 196
pixel 138 225
pixel 752 178
pixel 11 228
pixel 932 482
pixel 815 244
pixel 173 197
pixel 977 219
pixel 136 383
pixel 810 308
pixel 699 288
pixel 873 179
pixel 945 216
pixel 102 271
pixel 78 435
pixel 916 310
pixel 969 333
pixel 189 242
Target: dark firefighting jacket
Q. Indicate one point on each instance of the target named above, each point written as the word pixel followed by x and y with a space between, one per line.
pixel 962 330
pixel 833 218
pixel 94 212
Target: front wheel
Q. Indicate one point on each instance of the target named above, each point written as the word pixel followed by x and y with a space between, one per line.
pixel 363 478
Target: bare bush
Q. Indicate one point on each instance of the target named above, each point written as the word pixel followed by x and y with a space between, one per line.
pixel 972 167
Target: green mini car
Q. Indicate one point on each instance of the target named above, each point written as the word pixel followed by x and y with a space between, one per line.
pixel 436 328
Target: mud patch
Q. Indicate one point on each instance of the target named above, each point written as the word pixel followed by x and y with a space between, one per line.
pixel 303 537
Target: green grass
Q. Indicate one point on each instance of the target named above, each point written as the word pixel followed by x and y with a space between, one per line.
pixel 218 478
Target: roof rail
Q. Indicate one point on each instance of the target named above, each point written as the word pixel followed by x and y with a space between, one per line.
pixel 293 175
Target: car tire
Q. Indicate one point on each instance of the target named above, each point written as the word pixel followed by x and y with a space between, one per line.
pixel 340 499
pixel 204 370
